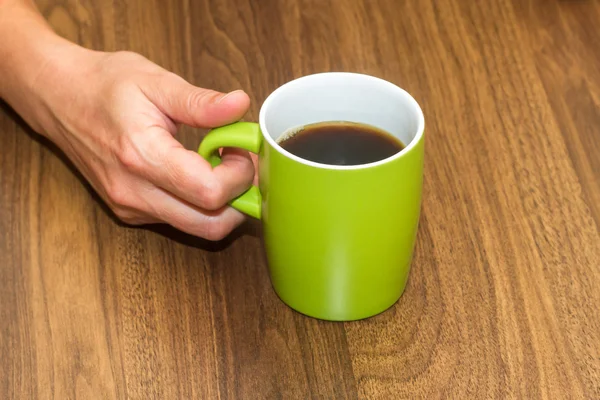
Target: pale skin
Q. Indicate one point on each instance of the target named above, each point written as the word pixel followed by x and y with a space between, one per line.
pixel 115 116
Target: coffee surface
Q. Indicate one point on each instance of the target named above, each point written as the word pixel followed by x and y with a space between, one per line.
pixel 342 143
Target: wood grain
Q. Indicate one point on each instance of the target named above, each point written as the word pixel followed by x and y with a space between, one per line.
pixel 503 298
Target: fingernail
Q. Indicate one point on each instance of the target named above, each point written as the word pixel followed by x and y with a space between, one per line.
pixel 227 95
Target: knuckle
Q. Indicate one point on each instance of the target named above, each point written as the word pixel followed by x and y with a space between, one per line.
pixel 127 216
pixel 130 158
pixel 118 195
pixel 199 96
pixel 216 230
pixel 212 196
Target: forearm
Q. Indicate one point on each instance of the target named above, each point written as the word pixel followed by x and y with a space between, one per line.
pixel 25 39
pixel 28 48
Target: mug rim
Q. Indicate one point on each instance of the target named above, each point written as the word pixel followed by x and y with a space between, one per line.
pixel 416 139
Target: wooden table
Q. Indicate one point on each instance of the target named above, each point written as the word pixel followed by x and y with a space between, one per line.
pixel 504 295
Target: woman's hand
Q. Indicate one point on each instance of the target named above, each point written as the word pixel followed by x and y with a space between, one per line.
pixel 114 115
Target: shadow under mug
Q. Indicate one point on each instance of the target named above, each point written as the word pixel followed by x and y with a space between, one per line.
pixel 339 239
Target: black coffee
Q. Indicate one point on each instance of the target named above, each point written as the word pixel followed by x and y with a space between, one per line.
pixel 342 143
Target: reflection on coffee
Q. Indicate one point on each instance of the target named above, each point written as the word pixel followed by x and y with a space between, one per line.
pixel 341 143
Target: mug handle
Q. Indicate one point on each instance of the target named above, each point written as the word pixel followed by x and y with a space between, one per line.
pixel 247 136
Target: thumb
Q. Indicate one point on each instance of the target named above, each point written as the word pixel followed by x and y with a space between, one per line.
pixel 194 106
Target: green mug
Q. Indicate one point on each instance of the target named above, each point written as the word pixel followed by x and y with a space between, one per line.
pixel 339 240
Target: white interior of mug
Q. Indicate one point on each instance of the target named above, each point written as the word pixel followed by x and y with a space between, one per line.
pixel 341 96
